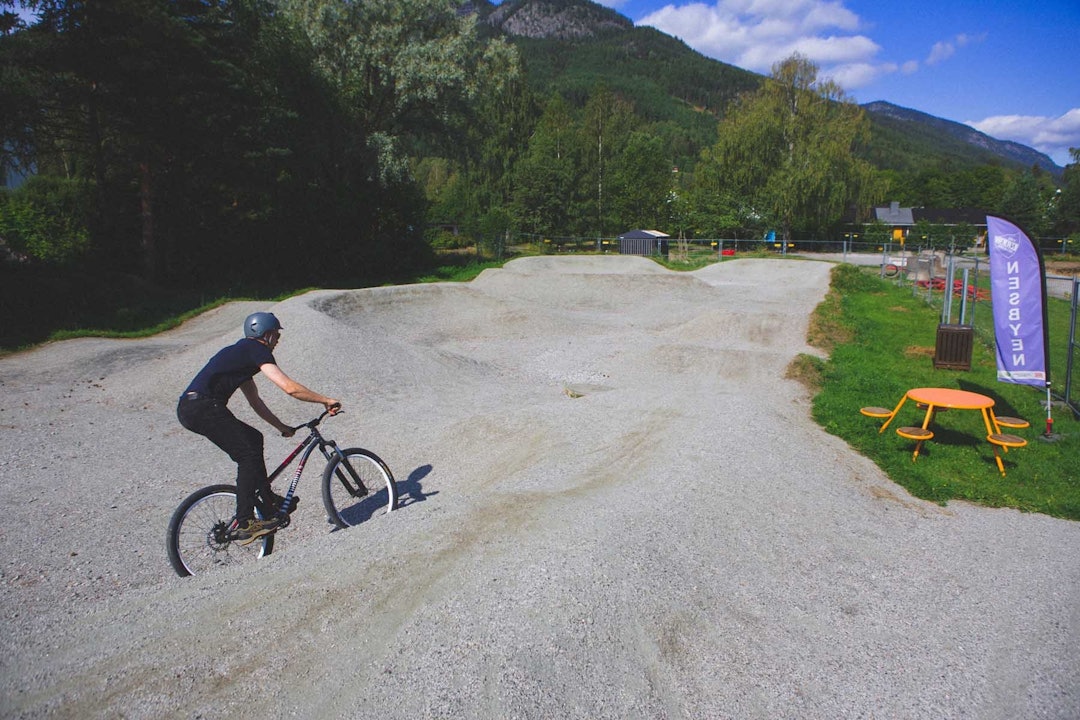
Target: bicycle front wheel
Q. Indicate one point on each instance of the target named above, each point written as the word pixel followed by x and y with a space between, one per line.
pixel 197 540
pixel 356 487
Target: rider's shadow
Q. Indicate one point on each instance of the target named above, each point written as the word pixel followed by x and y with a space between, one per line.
pixel 410 491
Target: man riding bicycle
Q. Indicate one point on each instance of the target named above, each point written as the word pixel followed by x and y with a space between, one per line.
pixel 202 409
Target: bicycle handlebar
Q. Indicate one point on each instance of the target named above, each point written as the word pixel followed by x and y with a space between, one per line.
pixel 315 423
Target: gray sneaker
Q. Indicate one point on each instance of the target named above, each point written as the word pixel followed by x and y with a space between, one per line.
pixel 251 530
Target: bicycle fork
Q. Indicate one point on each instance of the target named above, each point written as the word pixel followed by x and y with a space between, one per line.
pixel 356 488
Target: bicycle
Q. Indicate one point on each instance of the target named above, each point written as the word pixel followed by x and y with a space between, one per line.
pixel 356 485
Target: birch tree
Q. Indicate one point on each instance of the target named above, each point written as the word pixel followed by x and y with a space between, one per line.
pixel 789 149
pixel 608 121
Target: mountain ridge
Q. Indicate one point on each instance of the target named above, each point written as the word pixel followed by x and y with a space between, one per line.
pixel 556 19
pixel 906 139
pixel 1008 149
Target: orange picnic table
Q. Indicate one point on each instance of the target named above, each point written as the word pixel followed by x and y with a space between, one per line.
pixel 934 399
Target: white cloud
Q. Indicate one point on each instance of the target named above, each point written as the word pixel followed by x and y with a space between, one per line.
pixel 941 51
pixel 855 75
pixel 1051 135
pixel 945 49
pixel 831 15
pixel 756 34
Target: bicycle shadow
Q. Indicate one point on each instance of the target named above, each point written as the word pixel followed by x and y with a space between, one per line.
pixel 375 502
pixel 411 490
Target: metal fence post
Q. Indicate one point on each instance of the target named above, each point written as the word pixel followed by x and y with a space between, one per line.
pixel 1071 348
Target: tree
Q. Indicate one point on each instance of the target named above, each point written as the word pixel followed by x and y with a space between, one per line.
pixel 877 233
pixel 608 120
pixel 1067 205
pixel 1023 202
pixel 160 110
pixel 544 180
pixel 641 182
pixel 497 140
pixel 938 236
pixel 681 219
pixel 214 133
pixel 411 77
pixel 411 70
pixel 790 149
pixel 719 210
pixel 44 221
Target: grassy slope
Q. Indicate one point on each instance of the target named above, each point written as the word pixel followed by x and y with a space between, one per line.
pixel 881 342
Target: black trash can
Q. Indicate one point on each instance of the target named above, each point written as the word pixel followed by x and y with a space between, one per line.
pixel 954 347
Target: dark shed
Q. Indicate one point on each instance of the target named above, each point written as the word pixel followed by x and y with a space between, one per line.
pixel 643 242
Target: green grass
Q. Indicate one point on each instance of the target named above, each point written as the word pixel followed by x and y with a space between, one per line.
pixel 881 343
pixel 458 273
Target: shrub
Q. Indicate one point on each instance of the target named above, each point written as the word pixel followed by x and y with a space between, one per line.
pixel 44 221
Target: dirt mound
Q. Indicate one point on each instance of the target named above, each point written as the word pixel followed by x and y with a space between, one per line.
pixel 614 505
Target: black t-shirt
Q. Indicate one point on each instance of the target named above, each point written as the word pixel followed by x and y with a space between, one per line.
pixel 230 368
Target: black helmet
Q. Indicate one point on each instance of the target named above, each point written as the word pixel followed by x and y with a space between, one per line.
pixel 260 323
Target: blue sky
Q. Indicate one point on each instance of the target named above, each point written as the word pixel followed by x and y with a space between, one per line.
pixel 1009 69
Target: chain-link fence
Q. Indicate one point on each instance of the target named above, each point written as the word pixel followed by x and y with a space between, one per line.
pixel 846 243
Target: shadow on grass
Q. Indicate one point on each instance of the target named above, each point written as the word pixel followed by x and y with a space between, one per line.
pixel 1001 406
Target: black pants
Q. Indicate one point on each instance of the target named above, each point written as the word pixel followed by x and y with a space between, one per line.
pixel 243 443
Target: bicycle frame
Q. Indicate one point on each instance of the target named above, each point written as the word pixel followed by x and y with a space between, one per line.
pixel 304 450
pixel 307 447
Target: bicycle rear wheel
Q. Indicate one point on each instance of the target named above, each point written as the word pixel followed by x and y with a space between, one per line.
pixel 357 488
pixel 197 540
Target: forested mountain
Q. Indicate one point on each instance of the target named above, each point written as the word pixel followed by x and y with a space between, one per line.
pixel 917 137
pixel 571 45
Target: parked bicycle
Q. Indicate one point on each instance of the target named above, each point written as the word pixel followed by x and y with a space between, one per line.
pixel 356 485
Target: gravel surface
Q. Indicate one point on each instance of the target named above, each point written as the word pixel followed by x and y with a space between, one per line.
pixel 615 506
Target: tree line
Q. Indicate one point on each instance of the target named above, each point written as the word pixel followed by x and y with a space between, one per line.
pixel 274 143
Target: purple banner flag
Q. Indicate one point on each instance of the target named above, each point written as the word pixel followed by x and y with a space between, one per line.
pixel 1018 294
